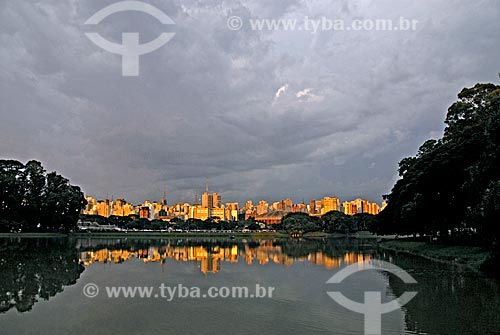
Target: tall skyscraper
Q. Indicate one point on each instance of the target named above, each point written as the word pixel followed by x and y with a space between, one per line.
pixel 206 199
pixel 164 199
pixel 216 200
pixel 211 200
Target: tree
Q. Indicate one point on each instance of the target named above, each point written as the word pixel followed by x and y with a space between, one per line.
pixel 34 179
pixel 335 221
pixel 450 188
pixel 33 201
pixel 11 191
pixel 300 222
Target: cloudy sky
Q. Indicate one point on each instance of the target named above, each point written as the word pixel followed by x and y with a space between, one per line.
pixel 259 114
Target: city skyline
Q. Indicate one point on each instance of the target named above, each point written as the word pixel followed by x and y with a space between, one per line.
pixel 212 206
pixel 199 195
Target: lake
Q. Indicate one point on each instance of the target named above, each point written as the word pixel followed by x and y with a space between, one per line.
pixel 79 286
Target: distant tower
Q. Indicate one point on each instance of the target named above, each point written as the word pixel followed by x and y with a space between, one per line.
pixel 164 199
pixel 206 199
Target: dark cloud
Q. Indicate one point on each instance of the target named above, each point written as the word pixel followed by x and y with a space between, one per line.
pixel 204 107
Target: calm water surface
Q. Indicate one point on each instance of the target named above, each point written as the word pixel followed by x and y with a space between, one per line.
pixel 42 282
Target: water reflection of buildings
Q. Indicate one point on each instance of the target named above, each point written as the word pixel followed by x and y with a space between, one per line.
pixel 210 258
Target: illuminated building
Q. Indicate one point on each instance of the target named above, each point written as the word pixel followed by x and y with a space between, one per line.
pixel 216 200
pixel 262 207
pixel 91 207
pixel 211 206
pixel 248 206
pixel 104 208
pixel 271 218
pixel 144 212
pixel 199 212
pixel 330 204
pixel 232 211
pixel 283 205
pixel 315 207
pixel 361 206
pixel 122 208
pixel 218 213
pixel 207 199
pixel 299 208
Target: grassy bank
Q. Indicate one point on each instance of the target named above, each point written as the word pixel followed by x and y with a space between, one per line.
pixel 472 257
pixel 360 235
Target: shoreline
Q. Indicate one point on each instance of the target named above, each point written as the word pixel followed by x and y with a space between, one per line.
pixel 138 234
pixel 152 234
pixel 465 256
pixel 32 235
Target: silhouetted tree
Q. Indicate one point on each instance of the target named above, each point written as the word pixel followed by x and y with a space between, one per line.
pixel 451 188
pixel 34 201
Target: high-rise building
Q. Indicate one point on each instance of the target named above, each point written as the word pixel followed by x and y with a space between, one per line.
pixel 207 199
pixel 330 204
pixel 199 212
pixel 91 207
pixel 262 207
pixel 248 205
pixel 299 208
pixel 218 212
pixel 232 211
pixel 104 208
pixel 361 206
pixel 144 212
pixel 213 204
pixel 284 205
pixel 121 208
pixel 216 200
pixel 164 199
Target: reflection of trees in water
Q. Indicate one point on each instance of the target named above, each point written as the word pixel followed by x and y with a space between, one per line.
pixel 35 268
pixel 329 247
pixel 449 300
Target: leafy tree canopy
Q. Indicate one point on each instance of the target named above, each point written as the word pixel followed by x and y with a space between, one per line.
pixel 33 200
pixel 451 187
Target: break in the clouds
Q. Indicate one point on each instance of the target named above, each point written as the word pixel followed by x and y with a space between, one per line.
pixel 259 114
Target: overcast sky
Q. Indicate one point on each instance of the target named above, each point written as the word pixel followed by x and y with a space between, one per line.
pixel 259 114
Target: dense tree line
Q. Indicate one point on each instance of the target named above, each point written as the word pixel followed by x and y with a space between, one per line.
pixel 451 188
pixel 132 222
pixel 33 200
pixel 331 222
